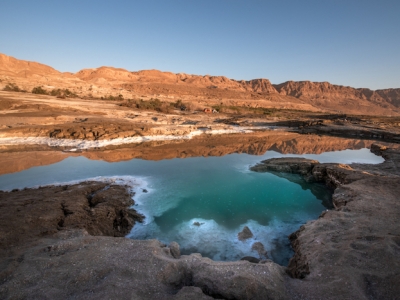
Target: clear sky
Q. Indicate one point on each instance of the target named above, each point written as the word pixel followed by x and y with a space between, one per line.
pixel 351 42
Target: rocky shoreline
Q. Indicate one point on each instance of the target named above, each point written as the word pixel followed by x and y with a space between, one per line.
pixel 68 242
pixel 352 251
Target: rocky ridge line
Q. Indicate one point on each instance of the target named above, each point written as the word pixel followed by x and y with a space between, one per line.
pixel 108 80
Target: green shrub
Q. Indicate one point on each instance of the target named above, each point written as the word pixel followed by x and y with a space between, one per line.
pixel 62 93
pixel 39 90
pixel 56 92
pixel 244 109
pixel 177 104
pixel 110 97
pixel 153 104
pixel 12 87
pixel 180 105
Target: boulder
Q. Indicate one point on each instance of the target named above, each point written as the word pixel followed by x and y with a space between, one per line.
pixel 245 234
pixel 259 247
pixel 174 248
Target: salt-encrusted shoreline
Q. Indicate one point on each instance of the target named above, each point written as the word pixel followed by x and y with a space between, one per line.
pixel 87 144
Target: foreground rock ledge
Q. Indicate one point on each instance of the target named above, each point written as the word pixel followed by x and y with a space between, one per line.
pixel 54 249
pixel 353 251
pixel 66 242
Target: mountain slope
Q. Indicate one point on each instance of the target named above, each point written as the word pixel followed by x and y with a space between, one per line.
pixel 103 81
pixel 21 68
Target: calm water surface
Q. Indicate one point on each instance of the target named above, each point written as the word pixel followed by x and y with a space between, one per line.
pixel 220 193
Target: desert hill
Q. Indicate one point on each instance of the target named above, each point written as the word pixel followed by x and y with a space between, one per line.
pixel 21 68
pixel 155 76
pixel 203 90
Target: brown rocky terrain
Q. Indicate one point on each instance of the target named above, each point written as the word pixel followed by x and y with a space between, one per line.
pixel 200 90
pixel 65 244
pixel 149 103
pixel 68 241
pixel 99 208
pixel 31 115
pixel 350 252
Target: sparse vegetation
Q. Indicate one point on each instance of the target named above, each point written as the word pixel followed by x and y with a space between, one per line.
pixel 177 104
pixel 153 104
pixel 244 110
pixel 12 87
pixel 39 90
pixel 110 97
pixel 180 105
pixel 62 93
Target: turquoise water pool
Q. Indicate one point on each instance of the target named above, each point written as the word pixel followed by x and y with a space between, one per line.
pixel 219 193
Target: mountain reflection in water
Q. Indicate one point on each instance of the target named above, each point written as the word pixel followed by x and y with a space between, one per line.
pixel 203 202
pixel 18 158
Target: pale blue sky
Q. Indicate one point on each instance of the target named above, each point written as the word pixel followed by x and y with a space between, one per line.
pixel 355 43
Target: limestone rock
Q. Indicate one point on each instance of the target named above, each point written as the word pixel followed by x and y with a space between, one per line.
pixel 198 223
pixel 191 292
pixel 259 247
pixel 245 234
pixel 251 259
pixel 175 250
pixel 296 165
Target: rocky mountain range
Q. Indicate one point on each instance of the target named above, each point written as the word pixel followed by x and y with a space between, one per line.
pixel 106 81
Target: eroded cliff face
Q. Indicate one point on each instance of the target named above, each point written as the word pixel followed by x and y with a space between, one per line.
pixel 332 95
pixel 390 95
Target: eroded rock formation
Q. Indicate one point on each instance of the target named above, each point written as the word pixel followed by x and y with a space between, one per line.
pixel 65 242
pixel 245 234
pixel 350 251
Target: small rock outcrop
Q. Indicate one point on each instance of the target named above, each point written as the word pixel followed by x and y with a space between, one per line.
pixel 245 234
pixel 197 224
pixel 101 209
pixel 259 248
pixel 251 259
pixel 295 165
pixel 175 250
